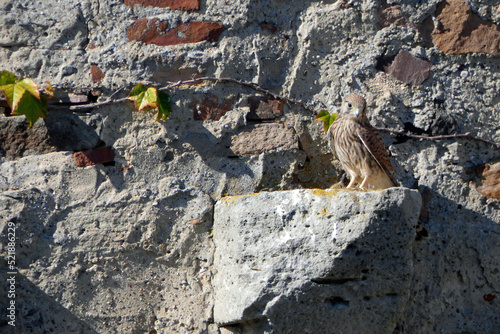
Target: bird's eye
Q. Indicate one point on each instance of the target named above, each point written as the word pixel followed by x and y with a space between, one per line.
pixel 349 104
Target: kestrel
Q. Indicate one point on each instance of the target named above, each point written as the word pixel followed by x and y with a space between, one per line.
pixel 359 147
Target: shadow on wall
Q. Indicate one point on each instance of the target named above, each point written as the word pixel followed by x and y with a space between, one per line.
pixel 462 266
pixel 59 132
pixel 36 311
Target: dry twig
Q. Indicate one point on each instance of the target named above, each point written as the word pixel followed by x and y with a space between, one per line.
pixel 299 103
pixel 441 137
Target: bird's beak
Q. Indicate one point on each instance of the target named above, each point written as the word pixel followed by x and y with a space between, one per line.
pixel 357 112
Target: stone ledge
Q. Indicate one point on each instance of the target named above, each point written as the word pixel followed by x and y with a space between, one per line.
pixel 336 253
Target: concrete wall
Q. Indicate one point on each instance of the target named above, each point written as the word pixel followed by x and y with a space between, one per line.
pixel 126 245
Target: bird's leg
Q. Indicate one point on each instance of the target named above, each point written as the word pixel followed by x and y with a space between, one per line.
pixel 367 175
pixel 362 185
pixel 354 178
pixel 351 183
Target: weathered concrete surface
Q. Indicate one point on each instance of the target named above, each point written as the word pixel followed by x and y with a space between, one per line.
pixel 314 51
pixel 319 261
pixel 91 257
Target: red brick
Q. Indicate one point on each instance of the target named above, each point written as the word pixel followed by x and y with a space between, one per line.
pixel 262 108
pixel 96 74
pixel 393 15
pixel 172 4
pixel 462 31
pixel 144 30
pixel 211 108
pixel 95 156
pixel 489 175
pixel 409 69
pixel 155 32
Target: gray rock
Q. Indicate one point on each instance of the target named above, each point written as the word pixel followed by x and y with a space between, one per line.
pixel 259 138
pixel 319 261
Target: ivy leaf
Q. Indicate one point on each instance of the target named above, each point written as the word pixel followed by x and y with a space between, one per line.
pixel 8 91
pixel 48 90
pixel 7 78
pixel 23 97
pixel 22 86
pixel 151 98
pixel 32 107
pixel 164 106
pixel 144 97
pixel 138 89
pixel 327 118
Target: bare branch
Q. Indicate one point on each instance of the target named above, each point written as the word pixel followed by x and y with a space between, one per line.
pixel 97 104
pixel 251 85
pixel 441 137
pixel 299 103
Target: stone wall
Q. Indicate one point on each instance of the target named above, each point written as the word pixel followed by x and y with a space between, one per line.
pixel 126 244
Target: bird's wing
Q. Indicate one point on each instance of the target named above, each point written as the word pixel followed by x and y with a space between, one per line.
pixel 373 142
pixel 331 140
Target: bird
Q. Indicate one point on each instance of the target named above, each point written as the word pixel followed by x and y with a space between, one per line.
pixel 359 147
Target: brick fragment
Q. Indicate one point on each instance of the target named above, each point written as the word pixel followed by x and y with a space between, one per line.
pixel 155 31
pixel 94 156
pixel 409 68
pixel 96 74
pixel 145 30
pixel 489 175
pixel 390 15
pixel 172 4
pixel 459 30
pixel 211 108
pixel 262 108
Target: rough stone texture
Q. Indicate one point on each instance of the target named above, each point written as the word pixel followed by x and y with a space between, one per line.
pixel 324 262
pixel 409 69
pixel 165 172
pixel 259 138
pixel 117 269
pixel 461 31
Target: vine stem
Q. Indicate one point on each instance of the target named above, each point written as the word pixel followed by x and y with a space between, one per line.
pixel 299 103
pixel 466 135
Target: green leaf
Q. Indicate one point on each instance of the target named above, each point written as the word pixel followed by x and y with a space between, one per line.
pixel 7 78
pixel 30 106
pixel 327 118
pixel 164 106
pixel 140 88
pixel 23 97
pixel 144 97
pixel 48 90
pixel 8 91
pixel 22 86
pixel 151 97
